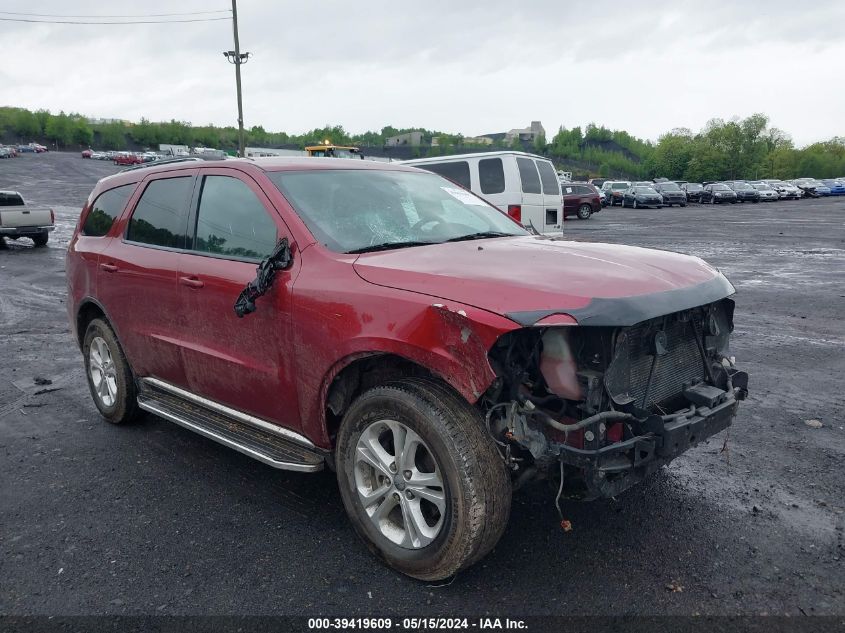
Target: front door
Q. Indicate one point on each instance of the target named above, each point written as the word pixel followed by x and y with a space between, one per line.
pixel 245 363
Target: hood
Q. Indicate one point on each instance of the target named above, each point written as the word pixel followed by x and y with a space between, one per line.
pixel 528 278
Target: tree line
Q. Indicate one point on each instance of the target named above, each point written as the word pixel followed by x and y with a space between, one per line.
pixel 739 148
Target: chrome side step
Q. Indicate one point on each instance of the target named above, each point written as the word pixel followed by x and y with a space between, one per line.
pixel 268 443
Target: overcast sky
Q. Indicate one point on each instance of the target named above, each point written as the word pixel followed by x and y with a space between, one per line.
pixel 457 66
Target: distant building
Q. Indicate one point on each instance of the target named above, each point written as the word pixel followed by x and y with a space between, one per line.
pixel 95 121
pixel 414 139
pixel 529 133
pixel 478 140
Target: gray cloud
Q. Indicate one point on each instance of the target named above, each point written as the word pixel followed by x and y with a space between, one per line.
pixel 469 67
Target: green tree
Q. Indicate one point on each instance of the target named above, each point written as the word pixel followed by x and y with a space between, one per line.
pixel 540 143
pixel 60 129
pixel 112 136
pixel 82 133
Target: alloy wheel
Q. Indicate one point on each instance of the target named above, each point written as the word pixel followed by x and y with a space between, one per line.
pixel 399 484
pixel 102 372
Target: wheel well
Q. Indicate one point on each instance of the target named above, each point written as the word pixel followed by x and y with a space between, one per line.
pixel 87 313
pixel 359 376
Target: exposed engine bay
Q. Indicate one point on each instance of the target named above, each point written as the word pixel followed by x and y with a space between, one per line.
pixel 603 407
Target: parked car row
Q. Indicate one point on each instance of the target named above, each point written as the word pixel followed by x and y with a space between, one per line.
pixel 122 158
pixel 12 151
pixel 662 192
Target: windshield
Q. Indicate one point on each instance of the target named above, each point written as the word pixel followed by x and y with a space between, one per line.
pixel 646 190
pixel 668 186
pixel 356 210
pixel 721 188
pixel 620 185
pixel 741 186
pixel 694 187
pixel 762 187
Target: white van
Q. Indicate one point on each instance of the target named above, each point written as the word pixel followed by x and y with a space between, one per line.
pixel 524 186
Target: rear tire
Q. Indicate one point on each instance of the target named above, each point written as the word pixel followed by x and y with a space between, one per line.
pixel 109 375
pixel 41 239
pixel 584 212
pixel 474 483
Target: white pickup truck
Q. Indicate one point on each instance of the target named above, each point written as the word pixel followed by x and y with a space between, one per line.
pixel 17 219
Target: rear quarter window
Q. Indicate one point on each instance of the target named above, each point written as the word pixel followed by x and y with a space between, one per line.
pixel 457 171
pixel 11 200
pixel 108 206
pixel 528 175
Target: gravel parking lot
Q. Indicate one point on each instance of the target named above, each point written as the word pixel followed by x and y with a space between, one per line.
pixel 152 519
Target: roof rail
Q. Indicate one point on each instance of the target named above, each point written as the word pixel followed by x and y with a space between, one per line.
pixel 166 161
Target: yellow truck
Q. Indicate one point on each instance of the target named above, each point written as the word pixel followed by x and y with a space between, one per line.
pixel 334 151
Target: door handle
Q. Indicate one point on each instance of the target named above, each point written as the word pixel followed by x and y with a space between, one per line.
pixel 109 268
pixel 191 282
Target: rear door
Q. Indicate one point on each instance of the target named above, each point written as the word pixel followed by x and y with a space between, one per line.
pixel 245 363
pixel 532 193
pixel 552 205
pixel 137 276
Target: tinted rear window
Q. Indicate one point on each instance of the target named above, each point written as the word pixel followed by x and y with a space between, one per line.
pixel 11 200
pixel 105 209
pixel 457 172
pixel 528 175
pixel 548 176
pixel 491 175
pixel 160 217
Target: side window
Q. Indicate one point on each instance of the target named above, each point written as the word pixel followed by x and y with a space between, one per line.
pixel 528 175
pixel 232 221
pixel 548 176
pixel 491 175
pixel 457 172
pixel 160 215
pixel 105 209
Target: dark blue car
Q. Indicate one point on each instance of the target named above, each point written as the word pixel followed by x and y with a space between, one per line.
pixel 837 187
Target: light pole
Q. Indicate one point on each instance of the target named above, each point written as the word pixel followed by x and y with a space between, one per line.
pixel 237 58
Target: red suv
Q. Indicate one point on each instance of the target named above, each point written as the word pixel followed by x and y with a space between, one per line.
pixel 377 320
pixel 580 200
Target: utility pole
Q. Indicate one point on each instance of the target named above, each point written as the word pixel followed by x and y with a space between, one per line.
pixel 237 58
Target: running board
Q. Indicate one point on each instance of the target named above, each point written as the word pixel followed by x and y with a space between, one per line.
pixel 268 443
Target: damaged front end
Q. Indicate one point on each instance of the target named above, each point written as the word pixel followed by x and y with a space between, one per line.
pixel 603 407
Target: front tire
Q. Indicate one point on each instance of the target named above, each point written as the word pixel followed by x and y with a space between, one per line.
pixel 636 204
pixel 109 376
pixel 422 482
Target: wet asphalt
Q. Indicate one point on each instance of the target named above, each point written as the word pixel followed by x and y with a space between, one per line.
pixel 152 519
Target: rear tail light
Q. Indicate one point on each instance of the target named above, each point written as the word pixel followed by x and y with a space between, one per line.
pixel 515 211
pixel 52 217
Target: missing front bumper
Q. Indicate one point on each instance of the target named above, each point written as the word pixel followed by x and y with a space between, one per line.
pixel 612 469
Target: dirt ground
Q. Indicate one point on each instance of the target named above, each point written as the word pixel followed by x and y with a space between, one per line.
pixel 152 519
